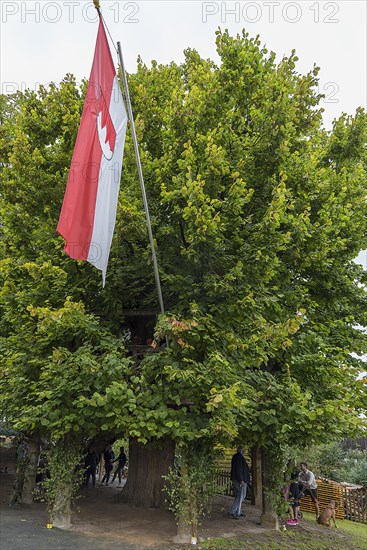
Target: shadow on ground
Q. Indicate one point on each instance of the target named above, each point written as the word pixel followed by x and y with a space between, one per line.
pixel 100 522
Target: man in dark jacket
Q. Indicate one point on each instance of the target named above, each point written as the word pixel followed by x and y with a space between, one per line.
pixel 240 476
pixel 91 463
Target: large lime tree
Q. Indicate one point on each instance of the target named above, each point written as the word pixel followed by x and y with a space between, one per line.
pixel 257 213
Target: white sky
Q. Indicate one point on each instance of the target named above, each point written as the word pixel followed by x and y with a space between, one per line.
pixel 362 259
pixel 43 40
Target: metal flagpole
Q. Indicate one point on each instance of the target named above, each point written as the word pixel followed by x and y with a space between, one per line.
pixel 141 178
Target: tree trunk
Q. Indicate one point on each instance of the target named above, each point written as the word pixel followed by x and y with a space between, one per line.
pixel 269 517
pixel 256 472
pixel 31 471
pixel 147 464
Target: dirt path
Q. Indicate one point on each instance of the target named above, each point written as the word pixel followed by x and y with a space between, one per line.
pixel 101 523
pixel 100 513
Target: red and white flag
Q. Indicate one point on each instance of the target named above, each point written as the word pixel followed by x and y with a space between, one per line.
pixel 88 214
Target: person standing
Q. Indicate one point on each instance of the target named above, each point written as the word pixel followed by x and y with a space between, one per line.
pixel 292 496
pixel 120 466
pixel 240 476
pixel 108 457
pixel 308 486
pixel 91 463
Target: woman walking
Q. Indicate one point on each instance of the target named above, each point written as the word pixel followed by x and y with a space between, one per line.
pixel 108 457
pixel 121 459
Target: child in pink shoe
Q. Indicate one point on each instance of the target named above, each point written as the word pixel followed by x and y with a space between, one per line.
pixel 292 496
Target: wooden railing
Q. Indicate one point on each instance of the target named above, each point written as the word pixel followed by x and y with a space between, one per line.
pixel 326 491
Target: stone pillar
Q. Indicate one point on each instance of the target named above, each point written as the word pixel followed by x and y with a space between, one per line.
pixel 183 533
pixel 269 517
pixel 31 470
pixel 62 507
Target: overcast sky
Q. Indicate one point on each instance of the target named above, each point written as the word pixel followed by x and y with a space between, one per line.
pixel 43 40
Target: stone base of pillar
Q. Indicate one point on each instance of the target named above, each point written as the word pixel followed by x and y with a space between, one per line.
pixel 182 539
pixel 184 535
pixel 62 522
pixel 269 520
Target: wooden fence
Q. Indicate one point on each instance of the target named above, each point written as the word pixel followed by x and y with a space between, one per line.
pixel 326 491
pixel 224 484
pixel 351 502
pixel 355 505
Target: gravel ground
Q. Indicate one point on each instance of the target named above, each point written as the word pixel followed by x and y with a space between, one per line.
pixel 21 530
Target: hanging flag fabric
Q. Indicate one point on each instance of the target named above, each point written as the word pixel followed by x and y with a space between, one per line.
pixel 88 214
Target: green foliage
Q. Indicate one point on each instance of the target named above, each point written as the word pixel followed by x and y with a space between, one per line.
pixel 74 372
pixel 258 214
pixel 354 468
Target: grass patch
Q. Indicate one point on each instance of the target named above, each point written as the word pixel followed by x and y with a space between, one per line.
pixel 307 536
pixel 356 531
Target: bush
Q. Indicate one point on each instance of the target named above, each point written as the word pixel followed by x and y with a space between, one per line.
pixel 354 467
pixel 334 463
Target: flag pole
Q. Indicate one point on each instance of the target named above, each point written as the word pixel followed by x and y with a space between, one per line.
pixel 141 178
pixel 140 172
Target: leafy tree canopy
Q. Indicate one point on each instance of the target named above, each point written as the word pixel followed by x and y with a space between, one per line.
pixel 257 212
